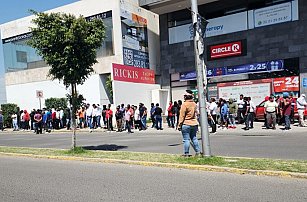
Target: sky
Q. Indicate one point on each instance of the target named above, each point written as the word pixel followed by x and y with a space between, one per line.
pixel 15 9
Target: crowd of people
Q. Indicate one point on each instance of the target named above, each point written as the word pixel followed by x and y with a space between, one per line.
pixel 277 110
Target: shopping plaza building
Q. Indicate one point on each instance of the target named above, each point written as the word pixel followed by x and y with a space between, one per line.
pixel 253 47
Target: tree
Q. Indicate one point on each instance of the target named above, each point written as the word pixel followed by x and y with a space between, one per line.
pixel 68 45
pixel 56 103
pixel 7 111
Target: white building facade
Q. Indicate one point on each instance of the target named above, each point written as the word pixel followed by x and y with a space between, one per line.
pixel 131 44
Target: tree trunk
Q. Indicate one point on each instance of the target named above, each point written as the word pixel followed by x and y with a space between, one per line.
pixel 72 114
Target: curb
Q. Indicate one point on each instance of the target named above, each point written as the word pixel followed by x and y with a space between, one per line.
pixel 282 174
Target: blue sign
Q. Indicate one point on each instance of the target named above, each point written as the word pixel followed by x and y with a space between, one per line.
pixel 135 58
pixel 270 66
pixel 305 82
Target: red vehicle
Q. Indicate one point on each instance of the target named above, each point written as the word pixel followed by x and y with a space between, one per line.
pixel 259 113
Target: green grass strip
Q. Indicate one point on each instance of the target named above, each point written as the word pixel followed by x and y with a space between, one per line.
pixel 297 166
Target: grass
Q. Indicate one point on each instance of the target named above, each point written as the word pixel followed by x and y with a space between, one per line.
pixel 243 163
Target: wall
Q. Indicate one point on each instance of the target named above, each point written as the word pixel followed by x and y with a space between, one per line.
pixel 24 95
pixel 280 41
pixel 133 93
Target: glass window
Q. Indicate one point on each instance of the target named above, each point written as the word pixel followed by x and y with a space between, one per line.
pixel 20 56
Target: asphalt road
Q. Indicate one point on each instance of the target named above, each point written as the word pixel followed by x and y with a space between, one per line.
pixel 253 143
pixel 28 180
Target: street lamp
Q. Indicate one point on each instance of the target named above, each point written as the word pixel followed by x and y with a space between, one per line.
pixel 199 29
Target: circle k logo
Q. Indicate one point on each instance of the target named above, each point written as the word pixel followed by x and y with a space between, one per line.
pixel 235 47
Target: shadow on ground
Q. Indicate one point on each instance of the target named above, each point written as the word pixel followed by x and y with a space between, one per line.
pixel 106 147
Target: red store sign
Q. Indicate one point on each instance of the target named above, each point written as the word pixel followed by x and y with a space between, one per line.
pixel 133 74
pixel 286 84
pixel 227 50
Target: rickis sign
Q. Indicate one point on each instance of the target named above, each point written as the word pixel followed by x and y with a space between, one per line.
pixel 133 74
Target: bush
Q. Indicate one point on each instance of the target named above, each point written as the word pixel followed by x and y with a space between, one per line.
pixel 7 111
pixel 56 103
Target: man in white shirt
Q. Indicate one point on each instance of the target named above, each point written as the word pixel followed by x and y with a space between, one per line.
pixel 271 108
pixel 89 114
pixel 301 105
pixel 241 110
pixel 212 114
pixel 251 112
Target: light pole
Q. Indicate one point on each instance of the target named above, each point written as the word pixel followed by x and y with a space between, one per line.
pixel 201 79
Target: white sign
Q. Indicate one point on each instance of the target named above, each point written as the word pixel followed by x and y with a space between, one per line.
pixel 257 92
pixel 227 24
pixel 39 94
pixel 273 15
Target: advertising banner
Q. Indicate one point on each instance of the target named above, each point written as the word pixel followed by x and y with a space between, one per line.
pixel 273 15
pixel 286 84
pixel 227 24
pixel 270 66
pixel 236 48
pixel 256 89
pixel 135 40
pixel 133 74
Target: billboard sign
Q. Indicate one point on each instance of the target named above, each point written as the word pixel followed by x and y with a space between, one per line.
pixel 236 48
pixel 132 74
pixel 273 14
pixel 286 84
pixel 135 40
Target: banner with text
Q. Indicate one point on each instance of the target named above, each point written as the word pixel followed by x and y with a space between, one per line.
pixel 286 84
pixel 133 74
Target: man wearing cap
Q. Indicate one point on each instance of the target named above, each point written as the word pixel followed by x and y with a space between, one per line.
pixel 301 105
pixel 271 107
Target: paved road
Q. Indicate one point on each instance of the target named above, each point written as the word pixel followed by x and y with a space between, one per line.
pixel 254 143
pixel 27 180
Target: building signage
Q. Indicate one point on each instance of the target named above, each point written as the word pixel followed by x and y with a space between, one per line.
pixel 227 24
pixel 256 89
pixel 286 84
pixel 133 74
pixel 135 40
pixel 17 38
pixel 273 14
pixel 226 50
pixel 39 94
pixel 305 82
pixel 270 66
pixel 101 16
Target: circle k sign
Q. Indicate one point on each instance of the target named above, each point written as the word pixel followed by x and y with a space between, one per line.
pixel 226 50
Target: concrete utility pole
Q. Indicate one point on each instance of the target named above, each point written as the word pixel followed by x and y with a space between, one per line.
pixel 201 80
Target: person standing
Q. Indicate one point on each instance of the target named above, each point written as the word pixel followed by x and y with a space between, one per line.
pixel 246 113
pixel 212 109
pixel 270 109
pixel 293 103
pixel 233 110
pixel 1 121
pixel 188 124
pixel 287 112
pixel 109 116
pixel 224 114
pixel 241 109
pixel 251 114
pixel 38 119
pixel 89 114
pixel 128 119
pixel 14 121
pixel 119 118
pixel 152 114
pixel 158 117
pixel 301 105
pixel 144 118
pixel 170 115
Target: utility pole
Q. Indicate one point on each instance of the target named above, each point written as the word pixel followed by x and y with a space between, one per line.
pixel 201 79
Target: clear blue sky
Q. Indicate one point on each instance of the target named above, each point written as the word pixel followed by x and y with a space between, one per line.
pixel 15 9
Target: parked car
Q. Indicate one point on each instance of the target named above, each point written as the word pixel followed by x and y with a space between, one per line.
pixel 259 113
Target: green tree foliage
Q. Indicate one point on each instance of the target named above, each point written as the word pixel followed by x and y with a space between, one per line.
pixel 109 87
pixel 7 111
pixel 68 45
pixel 56 103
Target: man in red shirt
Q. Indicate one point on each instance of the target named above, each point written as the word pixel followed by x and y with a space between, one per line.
pixel 170 115
pixel 38 122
